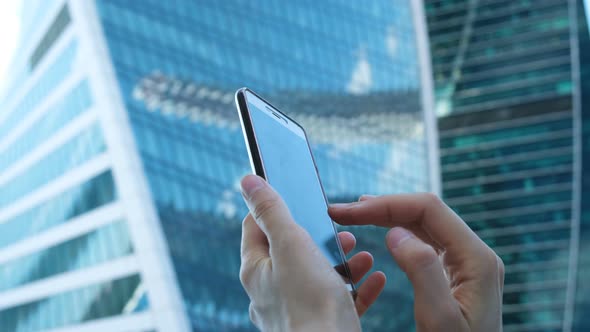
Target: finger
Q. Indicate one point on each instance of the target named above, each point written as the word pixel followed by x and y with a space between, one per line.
pixel 348 242
pixel 359 265
pixel 369 291
pixel 432 293
pixel 269 210
pixel 424 210
pixel 420 233
pixel 416 229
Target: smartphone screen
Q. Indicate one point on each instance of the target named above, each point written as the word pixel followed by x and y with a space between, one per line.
pixel 289 168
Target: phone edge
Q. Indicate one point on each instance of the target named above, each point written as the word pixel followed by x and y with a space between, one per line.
pixel 256 163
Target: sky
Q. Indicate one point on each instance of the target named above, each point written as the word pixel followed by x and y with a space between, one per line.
pixel 9 33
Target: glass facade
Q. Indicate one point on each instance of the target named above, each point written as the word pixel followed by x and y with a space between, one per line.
pixel 73 104
pixel 99 246
pixel 75 152
pixel 54 177
pixel 73 307
pixel 57 27
pixel 56 73
pixel 347 71
pixel 506 99
pixel 59 209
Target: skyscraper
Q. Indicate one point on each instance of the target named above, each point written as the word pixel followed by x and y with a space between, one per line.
pixel 509 98
pixel 121 153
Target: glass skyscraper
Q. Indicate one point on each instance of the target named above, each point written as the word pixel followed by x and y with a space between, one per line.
pixel 121 152
pixel 511 99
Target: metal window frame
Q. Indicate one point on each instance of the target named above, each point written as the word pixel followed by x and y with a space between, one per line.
pixel 520 229
pixel 505 124
pixel 504 143
pixel 513 212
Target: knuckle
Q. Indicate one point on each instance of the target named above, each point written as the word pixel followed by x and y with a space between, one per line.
pixel 491 258
pixel 501 272
pixel 293 239
pixel 246 274
pixel 492 264
pixel 284 245
pixel 432 200
pixel 264 207
pixel 422 257
pixel 501 268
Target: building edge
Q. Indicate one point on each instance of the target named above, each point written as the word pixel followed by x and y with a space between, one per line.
pixel 569 309
pixel 165 300
pixel 427 95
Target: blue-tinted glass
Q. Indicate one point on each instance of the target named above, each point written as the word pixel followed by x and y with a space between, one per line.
pixel 76 306
pixel 47 82
pixel 506 134
pixel 348 72
pixel 89 249
pixel 57 116
pixel 59 209
pixel 563 159
pixel 508 151
pixel 503 76
pixel 526 183
pixel 73 153
pixel 521 201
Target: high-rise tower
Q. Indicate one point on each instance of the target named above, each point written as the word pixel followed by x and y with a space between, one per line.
pixel 509 96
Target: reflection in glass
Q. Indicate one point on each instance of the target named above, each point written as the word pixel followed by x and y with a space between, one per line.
pixel 347 72
pixel 99 246
pixel 111 298
pixel 67 205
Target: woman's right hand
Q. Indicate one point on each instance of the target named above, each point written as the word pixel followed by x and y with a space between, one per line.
pixel 457 279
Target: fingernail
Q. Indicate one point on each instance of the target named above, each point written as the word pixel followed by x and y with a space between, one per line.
pixel 250 184
pixel 366 196
pixel 396 236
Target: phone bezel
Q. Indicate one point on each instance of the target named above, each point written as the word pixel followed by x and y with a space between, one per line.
pixel 257 164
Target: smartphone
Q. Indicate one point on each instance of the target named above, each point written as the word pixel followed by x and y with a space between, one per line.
pixel 280 153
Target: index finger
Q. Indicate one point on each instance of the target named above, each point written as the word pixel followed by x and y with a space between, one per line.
pixel 424 210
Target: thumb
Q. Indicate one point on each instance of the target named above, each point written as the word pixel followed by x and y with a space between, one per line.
pixel 435 307
pixel 268 209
